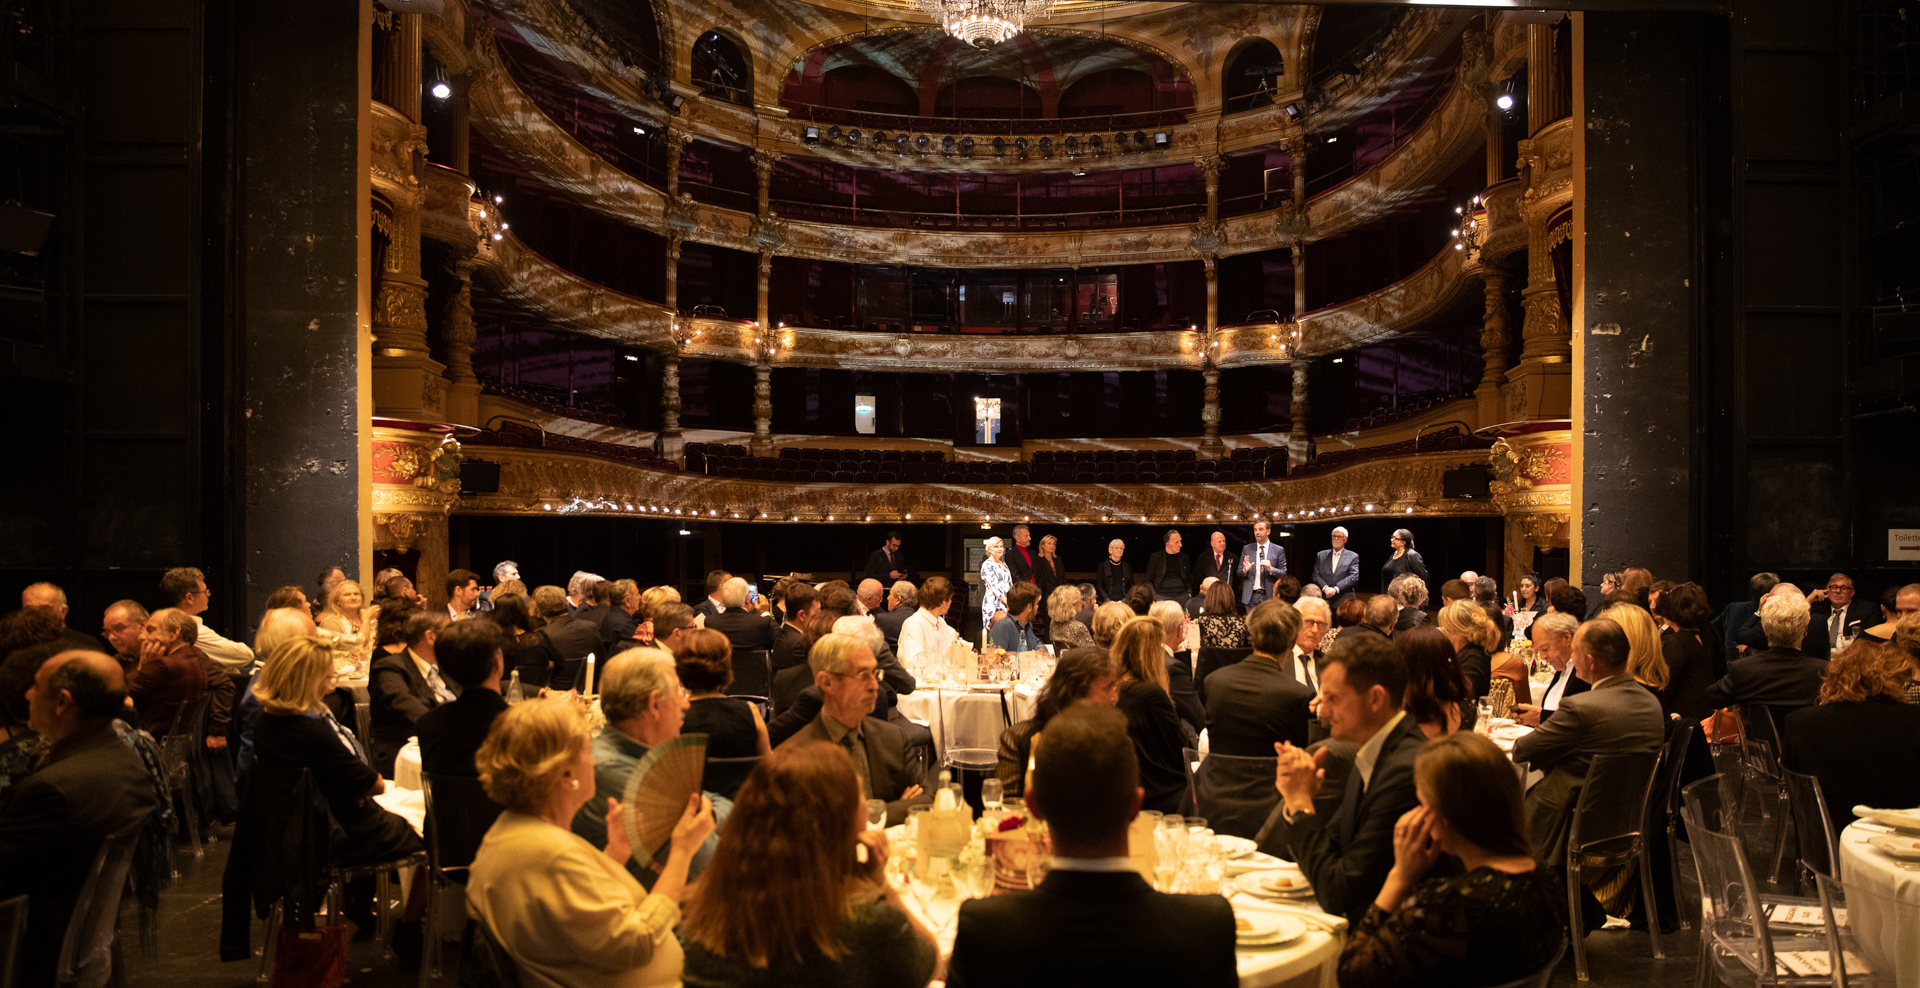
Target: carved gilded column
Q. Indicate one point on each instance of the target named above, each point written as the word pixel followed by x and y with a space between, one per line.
pixel 457 333
pixel 1291 223
pixel 763 162
pixel 676 143
pixel 762 303
pixel 1205 239
pixel 1213 291
pixel 682 215
pixel 1299 249
pixel 407 63
pixel 1210 165
pixel 1298 439
pixel 400 305
pixel 457 149
pixel 671 445
pixel 1210 409
pixel 1493 345
pixel 762 444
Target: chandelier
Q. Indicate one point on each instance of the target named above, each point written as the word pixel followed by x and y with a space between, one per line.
pixel 1472 231
pixel 983 23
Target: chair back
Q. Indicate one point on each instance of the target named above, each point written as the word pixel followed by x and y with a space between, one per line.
pixel 1211 660
pixel 1760 741
pixel 1733 918
pixel 459 813
pixel 181 745
pixel 1540 978
pixel 725 775
pixel 1235 793
pixel 484 963
pixel 752 674
pixel 1812 825
pixel 1841 942
pixel 969 738
pixel 13 926
pixel 1666 775
pixel 86 952
pixel 1609 820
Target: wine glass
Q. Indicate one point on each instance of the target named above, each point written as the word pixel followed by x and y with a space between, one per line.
pixel 937 884
pixel 991 793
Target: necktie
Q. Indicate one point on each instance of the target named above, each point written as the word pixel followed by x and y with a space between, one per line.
pixel 438 685
pixel 1835 626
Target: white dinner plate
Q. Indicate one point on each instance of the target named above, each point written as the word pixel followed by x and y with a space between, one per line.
pixel 1276 884
pixel 1257 861
pixel 1904 819
pixel 1233 847
pixel 1904 848
pixel 1264 929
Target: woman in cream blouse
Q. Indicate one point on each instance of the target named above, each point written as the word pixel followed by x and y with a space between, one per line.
pixel 569 914
pixel 351 626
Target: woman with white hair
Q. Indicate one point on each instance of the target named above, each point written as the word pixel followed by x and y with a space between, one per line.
pixel 995 579
pixel 1114 576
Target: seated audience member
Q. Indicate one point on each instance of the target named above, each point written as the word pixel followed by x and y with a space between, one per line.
pixel 644 703
pixel 925 637
pixel 1474 638
pixel 705 666
pixel 1094 920
pixel 1616 716
pixel 185 588
pixel 1380 617
pixel 468 653
pixel 1502 919
pixel 846 674
pixel 903 601
pixel 1645 662
pixel 89 786
pixel 1780 677
pixel 531 653
pixel 1906 637
pixel 1691 650
pixel 711 605
pixel 619 625
pixel 746 630
pixel 22 746
pixel 1347 612
pixel 122 623
pixel 1152 723
pixel 1506 665
pixel 172 673
pixel 799 700
pixel 52 600
pixel 573 637
pixel 1063 607
pixel 1221 625
pixel 1453 590
pixel 791 643
pixel 592 601
pixel 1438 697
pixel 1084 674
pixel 351 623
pixel 1346 856
pixel 1860 741
pixel 295 732
pixel 1186 697
pixel 1315 618
pixel 1895 603
pixel 402 687
pixel 569 913
pixel 671 623
pixel 1564 599
pixel 1015 632
pixel 788 901
pixel 1140 598
pixel 1752 636
pixel 1262 700
pixel 1410 592
pixel 1553 639
pixel 277 627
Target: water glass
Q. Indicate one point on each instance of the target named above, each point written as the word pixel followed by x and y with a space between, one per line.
pixel 991 792
pixel 876 814
pixel 916 828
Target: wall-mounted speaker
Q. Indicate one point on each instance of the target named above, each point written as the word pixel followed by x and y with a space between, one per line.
pixel 479 477
pixel 1466 482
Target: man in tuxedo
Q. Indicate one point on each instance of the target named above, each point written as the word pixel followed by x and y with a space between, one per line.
pixel 1836 614
pixel 1261 701
pixel 887 563
pixel 1346 855
pixel 1093 920
pixel 1616 716
pixel 902 601
pixel 790 639
pixel 1216 563
pixel 468 654
pixel 746 630
pixel 1260 564
pixel 1781 677
pixel 1336 570
pixel 847 676
pixel 403 686
pixel 1553 639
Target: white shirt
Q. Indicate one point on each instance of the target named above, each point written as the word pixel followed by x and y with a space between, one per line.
pixel 1557 689
pixel 453 615
pixel 230 654
pixel 1370 752
pixel 718 608
pixel 1303 671
pixel 1259 556
pixel 925 639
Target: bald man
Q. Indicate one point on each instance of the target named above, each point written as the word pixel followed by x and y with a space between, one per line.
pixel 91 785
pixel 50 598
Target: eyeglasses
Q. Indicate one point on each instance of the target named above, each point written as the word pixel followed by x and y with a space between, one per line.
pixel 1837 587
pixel 870 674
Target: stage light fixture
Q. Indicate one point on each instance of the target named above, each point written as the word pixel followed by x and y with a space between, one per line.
pixel 1294 110
pixel 811 135
pixel 1161 141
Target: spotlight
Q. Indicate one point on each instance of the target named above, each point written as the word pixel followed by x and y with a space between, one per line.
pixel 811 135
pixel 437 82
pixel 1504 101
pixel 642 131
pixel 1161 141
pixel 441 90
pixel 1294 110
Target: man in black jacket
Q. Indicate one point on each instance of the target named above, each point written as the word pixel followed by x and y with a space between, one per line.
pixel 1781 678
pixel 902 601
pixel 1346 856
pixel 469 654
pixel 89 786
pixel 1167 572
pixel 574 636
pixel 1216 563
pixel 1093 920
pixel 887 563
pixel 402 687
pixel 746 630
pixel 1257 702
pixel 790 639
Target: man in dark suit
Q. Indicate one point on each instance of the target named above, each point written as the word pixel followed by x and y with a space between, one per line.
pixel 469 654
pixel 1835 615
pixel 1734 617
pixel 1167 573
pixel 403 686
pixel 1336 570
pixel 847 675
pixel 1553 638
pixel 902 601
pixel 596 599
pixel 1215 563
pixel 621 623
pixel 1346 856
pixel 887 563
pixel 712 605
pixel 1616 716
pixel 574 636
pixel 746 630
pixel 1093 920
pixel 1781 677
pixel 1257 703
pixel 89 786
pixel 1261 562
pixel 790 639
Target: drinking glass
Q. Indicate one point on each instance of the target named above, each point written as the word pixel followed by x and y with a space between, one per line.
pixel 930 890
pixel 916 823
pixel 991 792
pixel 876 814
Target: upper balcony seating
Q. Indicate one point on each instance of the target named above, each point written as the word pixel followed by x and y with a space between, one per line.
pixel 874 466
pixel 525 437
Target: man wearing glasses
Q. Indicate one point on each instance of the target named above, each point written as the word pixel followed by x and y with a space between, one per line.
pixel 847 674
pixel 1837 617
pixel 186 588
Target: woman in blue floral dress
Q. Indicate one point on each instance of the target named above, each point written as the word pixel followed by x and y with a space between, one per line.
pixel 997 580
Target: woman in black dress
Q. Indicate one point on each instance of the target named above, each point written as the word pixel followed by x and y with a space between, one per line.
pixel 1152 721
pixel 1047 575
pixel 1114 576
pixel 1403 560
pixel 733 726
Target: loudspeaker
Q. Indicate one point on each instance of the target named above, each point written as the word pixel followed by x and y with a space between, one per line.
pixel 1466 482
pixel 479 477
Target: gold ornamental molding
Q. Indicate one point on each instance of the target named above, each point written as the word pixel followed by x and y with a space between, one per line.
pixel 538 482
pixel 1533 484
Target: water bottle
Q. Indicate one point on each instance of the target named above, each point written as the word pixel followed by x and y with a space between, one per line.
pixel 514 693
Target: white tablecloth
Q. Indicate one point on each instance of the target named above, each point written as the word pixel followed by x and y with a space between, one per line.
pixel 406 766
pixel 972 719
pixel 1883 904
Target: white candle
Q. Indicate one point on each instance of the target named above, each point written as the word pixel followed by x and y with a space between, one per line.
pixel 586 686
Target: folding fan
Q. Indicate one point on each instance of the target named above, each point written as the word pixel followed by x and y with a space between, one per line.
pixel 657 792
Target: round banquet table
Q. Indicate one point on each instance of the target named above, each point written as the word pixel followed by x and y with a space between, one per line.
pixel 1883 903
pixel 973 718
pixel 406 765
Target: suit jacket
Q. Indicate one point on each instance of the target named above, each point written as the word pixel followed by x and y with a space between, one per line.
pixel 789 647
pixel 1575 687
pixel 1254 704
pixel 616 633
pixel 1227 572
pixel 747 631
pixel 1346 855
pixel 90 786
pixel 1021 566
pixel 707 607
pixel 1785 679
pixel 1827 742
pixel 1167 566
pixel 1154 728
pixel 1616 716
pixel 1253 553
pixel 878 569
pixel 1093 928
pixel 451 733
pixel 1860 614
pixel 397 697
pixel 1186 696
pixel 890 622
pixel 1477 666
pixel 1342 577
pixel 886 763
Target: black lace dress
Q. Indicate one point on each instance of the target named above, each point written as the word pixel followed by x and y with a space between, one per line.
pixel 1485 927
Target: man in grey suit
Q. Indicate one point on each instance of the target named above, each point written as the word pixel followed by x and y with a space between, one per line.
pixel 846 673
pixel 1261 562
pixel 902 601
pixel 1616 716
pixel 1336 570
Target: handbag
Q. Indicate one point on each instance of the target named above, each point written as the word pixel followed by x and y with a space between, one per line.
pixel 315 958
pixel 1724 727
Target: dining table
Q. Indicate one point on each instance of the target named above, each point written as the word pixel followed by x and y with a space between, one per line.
pixel 1883 897
pixel 969 716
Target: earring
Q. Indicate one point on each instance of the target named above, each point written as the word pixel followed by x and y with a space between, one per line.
pixel 573 783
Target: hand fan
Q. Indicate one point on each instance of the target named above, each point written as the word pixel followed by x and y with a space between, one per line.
pixel 657 791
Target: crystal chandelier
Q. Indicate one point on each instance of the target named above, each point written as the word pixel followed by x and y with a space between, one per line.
pixel 982 23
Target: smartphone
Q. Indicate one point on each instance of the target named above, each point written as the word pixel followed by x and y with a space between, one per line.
pixel 753 593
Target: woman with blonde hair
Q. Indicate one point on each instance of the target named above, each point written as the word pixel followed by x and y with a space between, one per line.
pixel 351 623
pixel 567 913
pixel 1474 636
pixel 995 580
pixel 1645 659
pixel 651 598
pixel 1048 575
pixel 1061 607
pixel 787 900
pixel 1152 722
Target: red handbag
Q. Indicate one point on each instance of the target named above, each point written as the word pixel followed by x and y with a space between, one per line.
pixel 314 958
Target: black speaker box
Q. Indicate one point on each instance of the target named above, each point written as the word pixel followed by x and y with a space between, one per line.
pixel 1466 482
pixel 479 477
